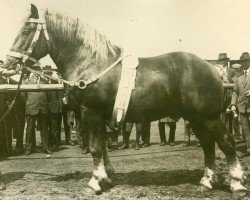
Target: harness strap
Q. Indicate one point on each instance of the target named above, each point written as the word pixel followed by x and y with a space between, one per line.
pixel 83 84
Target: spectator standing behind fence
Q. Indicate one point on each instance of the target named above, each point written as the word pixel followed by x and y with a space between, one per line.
pixel 54 115
pixel 226 75
pixel 37 109
pixel 142 130
pixel 172 126
pixel 235 116
pixel 241 99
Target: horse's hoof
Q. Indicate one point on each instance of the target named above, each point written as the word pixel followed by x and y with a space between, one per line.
pixel 236 186
pixel 94 185
pixel 206 183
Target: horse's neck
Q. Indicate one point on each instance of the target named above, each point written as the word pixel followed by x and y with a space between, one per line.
pixel 78 52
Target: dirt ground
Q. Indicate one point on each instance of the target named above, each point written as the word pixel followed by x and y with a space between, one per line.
pixel 150 173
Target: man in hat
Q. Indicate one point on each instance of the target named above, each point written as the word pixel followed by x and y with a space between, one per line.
pixel 54 111
pixel 241 99
pixel 235 119
pixel 37 109
pixel 226 75
pixel 222 67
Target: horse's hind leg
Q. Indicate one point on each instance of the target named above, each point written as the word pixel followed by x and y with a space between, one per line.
pixel 208 146
pixel 98 149
pixel 225 142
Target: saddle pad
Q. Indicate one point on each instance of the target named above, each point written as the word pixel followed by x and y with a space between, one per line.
pixel 126 85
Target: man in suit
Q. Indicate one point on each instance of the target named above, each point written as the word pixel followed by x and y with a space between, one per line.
pixel 235 117
pixel 37 109
pixel 54 115
pixel 241 99
pixel 226 75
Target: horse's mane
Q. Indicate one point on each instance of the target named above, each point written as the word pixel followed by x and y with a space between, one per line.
pixel 81 38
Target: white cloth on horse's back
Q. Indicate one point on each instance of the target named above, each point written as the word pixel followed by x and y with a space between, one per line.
pixel 130 62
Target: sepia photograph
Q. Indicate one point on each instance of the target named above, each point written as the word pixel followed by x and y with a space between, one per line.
pixel 115 99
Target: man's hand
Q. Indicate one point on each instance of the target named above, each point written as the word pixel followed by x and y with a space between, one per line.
pixel 65 101
pixel 6 72
pixel 233 108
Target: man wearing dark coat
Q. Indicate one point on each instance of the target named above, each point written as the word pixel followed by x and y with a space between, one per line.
pixel 241 99
pixel 37 109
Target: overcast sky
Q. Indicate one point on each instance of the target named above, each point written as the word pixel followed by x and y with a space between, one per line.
pixel 150 27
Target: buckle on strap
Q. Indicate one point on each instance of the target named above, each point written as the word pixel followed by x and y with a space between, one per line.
pixel 82 84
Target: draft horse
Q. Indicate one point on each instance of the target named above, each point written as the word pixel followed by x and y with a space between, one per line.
pixel 174 84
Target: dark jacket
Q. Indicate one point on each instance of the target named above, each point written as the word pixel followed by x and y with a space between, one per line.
pixel 36 101
pixel 55 104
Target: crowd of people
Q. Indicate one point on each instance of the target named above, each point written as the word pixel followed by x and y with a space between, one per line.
pixel 45 111
pixel 42 111
pixel 236 103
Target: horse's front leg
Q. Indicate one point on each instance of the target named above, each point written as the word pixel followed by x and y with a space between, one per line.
pixel 97 145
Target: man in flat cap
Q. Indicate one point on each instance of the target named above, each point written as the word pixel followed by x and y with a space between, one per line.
pixel 241 99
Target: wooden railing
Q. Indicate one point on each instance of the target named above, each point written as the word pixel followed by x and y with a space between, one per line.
pixel 31 87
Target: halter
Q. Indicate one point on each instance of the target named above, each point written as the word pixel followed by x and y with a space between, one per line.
pixel 41 25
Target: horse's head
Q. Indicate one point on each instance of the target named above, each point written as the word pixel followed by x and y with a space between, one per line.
pixel 31 43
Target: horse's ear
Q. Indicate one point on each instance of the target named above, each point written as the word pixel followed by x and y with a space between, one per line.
pixel 34 12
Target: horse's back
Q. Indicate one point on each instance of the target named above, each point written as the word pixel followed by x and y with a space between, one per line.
pixel 177 84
